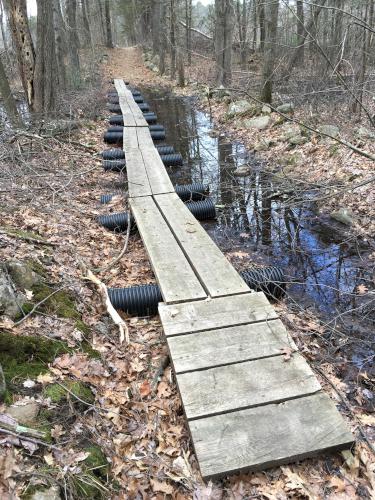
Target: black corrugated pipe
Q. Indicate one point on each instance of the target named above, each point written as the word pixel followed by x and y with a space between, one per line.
pixel 143 300
pixel 117 222
pixel 106 198
pixel 174 160
pixel 117 137
pixel 195 192
pixel 114 165
pixel 114 99
pixel 115 108
pixel 112 93
pixel 156 128
pixel 119 119
pixel 202 210
pixel 165 150
pixel 144 106
pixel 120 128
pixel 113 154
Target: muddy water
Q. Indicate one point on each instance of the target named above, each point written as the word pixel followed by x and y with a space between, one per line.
pixel 264 222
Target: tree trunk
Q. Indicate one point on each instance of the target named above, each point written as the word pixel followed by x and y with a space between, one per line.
pixel 180 69
pixel 301 35
pixel 163 40
pixel 60 44
pixel 224 25
pixel 3 35
pixel 108 27
pixel 155 26
pixel 188 21
pixel 269 53
pixel 8 99
pixel 262 25
pixel 172 37
pixel 75 69
pixel 24 46
pixel 101 20
pixel 86 24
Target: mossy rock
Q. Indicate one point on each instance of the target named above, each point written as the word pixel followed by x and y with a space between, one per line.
pixel 26 357
pixel 61 303
pixel 97 462
pixel 59 394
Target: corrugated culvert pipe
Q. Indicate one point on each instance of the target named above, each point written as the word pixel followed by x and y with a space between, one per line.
pixel 117 222
pixel 202 210
pixel 119 119
pixel 117 137
pixel 118 153
pixel 143 300
pixel 114 99
pixel 152 128
pixel 165 150
pixel 112 93
pixel 194 192
pixel 115 108
pixel 120 165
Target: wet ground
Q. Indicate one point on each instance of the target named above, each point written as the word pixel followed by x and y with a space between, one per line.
pixel 265 220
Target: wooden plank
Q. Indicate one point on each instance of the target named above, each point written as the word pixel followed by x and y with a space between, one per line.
pixel 130 139
pixel 245 385
pixel 215 313
pixel 215 271
pixel 138 184
pixel 228 345
pixel 175 276
pixel 144 138
pixel 120 86
pixel 269 435
pixel 156 171
pixel 137 113
pixel 127 114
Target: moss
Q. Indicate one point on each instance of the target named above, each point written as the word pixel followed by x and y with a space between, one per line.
pixel 88 486
pixel 27 357
pixel 97 461
pixel 23 234
pixel 58 394
pixel 82 327
pixel 61 303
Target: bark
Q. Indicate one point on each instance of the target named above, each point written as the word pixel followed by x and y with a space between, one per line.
pixel 269 53
pixel 101 20
pixel 86 24
pixel 301 34
pixel 108 27
pixel 8 99
pixel 3 35
pixel 73 41
pixel 60 44
pixel 24 46
pixel 45 64
pixel 163 40
pixel 262 25
pixel 180 69
pixel 155 25
pixel 188 21
pixel 172 37
pixel 242 21
pixel 224 26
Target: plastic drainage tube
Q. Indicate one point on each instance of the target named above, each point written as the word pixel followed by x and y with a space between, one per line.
pixel 187 192
pixel 114 93
pixel 194 192
pixel 114 99
pixel 117 137
pixel 143 300
pixel 152 128
pixel 119 165
pixel 165 150
pixel 115 108
pixel 119 119
pixel 118 153
pixel 202 210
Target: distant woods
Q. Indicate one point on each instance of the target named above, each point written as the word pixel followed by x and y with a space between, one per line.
pixel 267 48
pixel 47 52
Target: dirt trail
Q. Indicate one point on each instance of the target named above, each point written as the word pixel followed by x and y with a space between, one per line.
pixel 135 419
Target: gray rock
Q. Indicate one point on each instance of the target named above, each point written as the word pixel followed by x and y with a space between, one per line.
pixel 156 60
pixel 22 274
pixel 296 140
pixel 52 493
pixel 289 130
pixel 331 130
pixel 24 414
pixel 364 133
pixel 266 110
pixel 242 171
pixel 262 145
pixel 3 386
pixel 260 122
pixel 287 108
pixel 239 108
pixel 221 92
pixel 9 302
pixel 343 215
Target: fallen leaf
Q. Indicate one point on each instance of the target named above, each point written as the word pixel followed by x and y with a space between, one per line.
pixel 162 487
pixel 338 484
pixel 362 289
pixel 145 388
pixel 287 353
pixel 29 294
pixel 49 459
pixel 45 378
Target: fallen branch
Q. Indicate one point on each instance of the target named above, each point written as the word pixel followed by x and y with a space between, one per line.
pixel 120 255
pixel 30 439
pixel 159 372
pixel 123 327
pixel 14 234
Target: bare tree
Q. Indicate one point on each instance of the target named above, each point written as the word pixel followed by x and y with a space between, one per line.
pixel 301 31
pixel 269 52
pixel 8 99
pixel 60 44
pixel 172 37
pixel 86 24
pixel 24 46
pixel 224 25
pixel 108 27
pixel 75 68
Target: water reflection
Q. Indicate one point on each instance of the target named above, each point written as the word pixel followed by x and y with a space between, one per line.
pixel 324 271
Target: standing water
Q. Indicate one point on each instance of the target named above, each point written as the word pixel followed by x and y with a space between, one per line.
pixel 262 222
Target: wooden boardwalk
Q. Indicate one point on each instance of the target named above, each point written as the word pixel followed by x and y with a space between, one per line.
pixel 248 407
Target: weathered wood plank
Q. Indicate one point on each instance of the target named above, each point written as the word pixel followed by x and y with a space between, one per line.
pixel 245 385
pixel 120 86
pixel 215 271
pixel 215 313
pixel 144 138
pixel 175 276
pixel 228 345
pixel 137 113
pixel 269 435
pixel 130 138
pixel 138 184
pixel 127 114
pixel 156 171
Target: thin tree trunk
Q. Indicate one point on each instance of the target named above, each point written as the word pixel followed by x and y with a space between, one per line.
pixel 188 21
pixel 8 99
pixel 45 64
pixel 86 24
pixel 75 68
pixel 163 41
pixel 270 53
pixel 224 25
pixel 172 37
pixel 262 25
pixel 108 26
pixel 155 26
pixel 101 21
pixel 301 34
pixel 24 46
pixel 60 43
pixel 3 35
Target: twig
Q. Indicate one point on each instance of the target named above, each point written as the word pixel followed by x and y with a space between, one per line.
pixel 123 327
pixel 9 232
pixel 159 372
pixel 37 305
pixel 120 255
pixel 30 439
pixel 20 429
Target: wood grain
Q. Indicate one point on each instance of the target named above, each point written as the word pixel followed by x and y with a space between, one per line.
pixel 175 276
pixel 269 435
pixel 138 184
pixel 156 171
pixel 130 139
pixel 228 345
pixel 215 271
pixel 244 385
pixel 215 313
pixel 144 138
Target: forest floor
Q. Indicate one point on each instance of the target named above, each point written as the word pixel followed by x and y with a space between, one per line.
pixel 108 413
